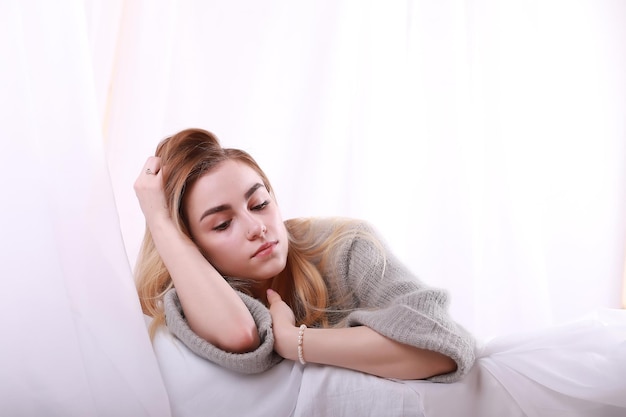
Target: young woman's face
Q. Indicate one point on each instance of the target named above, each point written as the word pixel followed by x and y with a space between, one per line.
pixel 236 223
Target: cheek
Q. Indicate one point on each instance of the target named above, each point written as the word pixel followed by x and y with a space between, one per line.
pixel 282 231
pixel 277 220
pixel 219 252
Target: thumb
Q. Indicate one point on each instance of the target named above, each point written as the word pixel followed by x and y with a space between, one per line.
pixel 273 296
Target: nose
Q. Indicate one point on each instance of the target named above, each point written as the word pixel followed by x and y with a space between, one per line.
pixel 256 230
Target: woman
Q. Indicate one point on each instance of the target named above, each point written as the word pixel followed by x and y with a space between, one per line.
pixel 245 289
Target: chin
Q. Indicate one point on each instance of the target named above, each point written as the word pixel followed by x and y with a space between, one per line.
pixel 273 268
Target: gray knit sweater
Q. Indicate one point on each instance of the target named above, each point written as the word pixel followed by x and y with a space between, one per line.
pixel 385 296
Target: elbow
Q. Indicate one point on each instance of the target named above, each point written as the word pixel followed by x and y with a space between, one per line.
pixel 445 365
pixel 429 365
pixel 239 339
pixel 244 341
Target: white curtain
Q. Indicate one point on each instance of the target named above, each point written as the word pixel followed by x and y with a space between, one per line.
pixel 73 341
pixel 486 140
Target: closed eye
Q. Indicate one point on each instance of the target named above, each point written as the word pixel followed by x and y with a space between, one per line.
pixel 261 206
pixel 222 226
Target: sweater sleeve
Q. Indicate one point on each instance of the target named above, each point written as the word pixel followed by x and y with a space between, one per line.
pixel 394 303
pixel 256 361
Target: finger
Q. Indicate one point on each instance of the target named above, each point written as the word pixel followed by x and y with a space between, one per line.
pixel 273 296
pixel 152 166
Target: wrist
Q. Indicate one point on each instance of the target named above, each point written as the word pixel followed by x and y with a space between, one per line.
pixel 300 346
pixel 286 341
pixel 161 225
pixel 159 219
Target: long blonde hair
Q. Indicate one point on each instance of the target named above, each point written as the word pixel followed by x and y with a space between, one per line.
pixel 185 157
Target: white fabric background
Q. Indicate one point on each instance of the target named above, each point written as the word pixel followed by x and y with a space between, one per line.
pixel 73 338
pixel 486 141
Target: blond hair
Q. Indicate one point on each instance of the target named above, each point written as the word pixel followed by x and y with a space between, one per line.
pixel 185 157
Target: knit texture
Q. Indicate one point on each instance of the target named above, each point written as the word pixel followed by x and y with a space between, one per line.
pixel 395 303
pixel 384 296
pixel 257 361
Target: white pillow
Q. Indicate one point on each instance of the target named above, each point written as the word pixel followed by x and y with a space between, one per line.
pixel 197 387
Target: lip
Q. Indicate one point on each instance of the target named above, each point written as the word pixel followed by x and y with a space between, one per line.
pixel 265 249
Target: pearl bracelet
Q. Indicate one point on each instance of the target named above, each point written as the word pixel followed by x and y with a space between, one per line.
pixel 300 342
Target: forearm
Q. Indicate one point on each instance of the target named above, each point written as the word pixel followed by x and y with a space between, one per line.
pixel 212 308
pixel 363 349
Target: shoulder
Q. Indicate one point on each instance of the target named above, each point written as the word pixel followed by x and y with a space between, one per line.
pixel 330 225
pixel 351 243
pixel 343 234
pixel 335 242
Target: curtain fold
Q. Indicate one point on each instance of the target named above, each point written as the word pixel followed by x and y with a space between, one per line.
pixel 74 340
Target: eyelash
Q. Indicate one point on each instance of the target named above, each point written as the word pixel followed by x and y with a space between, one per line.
pixel 261 206
pixel 223 226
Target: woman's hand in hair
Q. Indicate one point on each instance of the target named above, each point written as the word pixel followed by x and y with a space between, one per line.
pixel 149 190
pixel 284 326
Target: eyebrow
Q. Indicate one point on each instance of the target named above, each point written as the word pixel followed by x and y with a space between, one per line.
pixel 224 207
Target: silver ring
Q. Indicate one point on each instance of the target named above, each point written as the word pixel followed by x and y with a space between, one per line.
pixel 149 171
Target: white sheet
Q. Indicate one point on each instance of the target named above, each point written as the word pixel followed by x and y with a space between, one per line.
pixel 576 369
